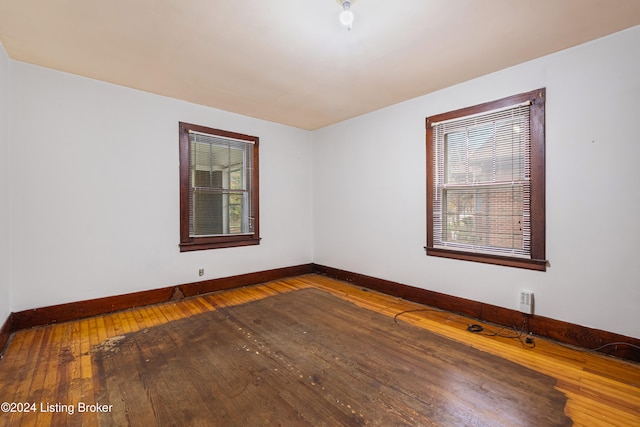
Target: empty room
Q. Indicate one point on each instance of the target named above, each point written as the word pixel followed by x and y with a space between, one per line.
pixel 319 213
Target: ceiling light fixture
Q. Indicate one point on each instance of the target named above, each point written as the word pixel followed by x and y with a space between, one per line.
pixel 346 16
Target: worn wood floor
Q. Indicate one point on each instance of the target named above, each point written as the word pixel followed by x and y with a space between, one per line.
pixel 52 366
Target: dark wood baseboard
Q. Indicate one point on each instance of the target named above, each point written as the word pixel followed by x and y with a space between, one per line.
pixel 198 288
pixel 81 309
pixel 563 332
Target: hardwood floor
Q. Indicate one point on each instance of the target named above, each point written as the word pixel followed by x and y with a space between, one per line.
pixel 53 365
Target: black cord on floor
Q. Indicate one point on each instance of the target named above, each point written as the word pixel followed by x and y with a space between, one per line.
pixel 527 342
pixel 395 318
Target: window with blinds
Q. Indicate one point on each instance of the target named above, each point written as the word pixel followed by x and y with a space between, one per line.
pixel 482 179
pixel 220 185
pixel 218 188
pixel 481 202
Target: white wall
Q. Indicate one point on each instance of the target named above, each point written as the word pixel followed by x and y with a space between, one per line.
pixel 5 289
pixel 93 200
pixel 369 190
pixel 95 196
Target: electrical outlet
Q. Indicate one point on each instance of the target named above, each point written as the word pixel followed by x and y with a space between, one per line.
pixel 526 301
pixel 201 272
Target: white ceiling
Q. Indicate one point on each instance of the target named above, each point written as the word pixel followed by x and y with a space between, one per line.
pixel 290 61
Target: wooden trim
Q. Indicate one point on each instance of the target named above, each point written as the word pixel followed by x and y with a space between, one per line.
pixel 430 181
pixel 80 309
pixel 198 288
pixel 530 264
pixel 183 138
pixel 487 106
pixel 188 243
pixel 538 177
pixel 77 310
pixel 201 243
pixel 538 260
pixel 5 333
pixel 422 296
pixel 563 332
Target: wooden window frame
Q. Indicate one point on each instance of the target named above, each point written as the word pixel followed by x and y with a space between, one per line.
pixel 190 243
pixel 537 261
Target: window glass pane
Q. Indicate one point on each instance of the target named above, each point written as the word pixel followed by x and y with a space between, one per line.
pixel 201 164
pixel 484 217
pixel 458 224
pixel 235 179
pixel 481 150
pixel 207 213
pixel 219 157
pixel 218 166
pixel 236 213
pixel 455 147
pixel 511 136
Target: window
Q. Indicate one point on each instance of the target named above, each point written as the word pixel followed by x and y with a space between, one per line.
pixel 218 188
pixel 486 184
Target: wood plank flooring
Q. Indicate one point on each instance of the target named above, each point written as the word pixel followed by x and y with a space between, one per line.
pixel 52 365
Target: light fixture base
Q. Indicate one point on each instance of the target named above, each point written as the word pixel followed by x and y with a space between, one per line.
pixel 346 16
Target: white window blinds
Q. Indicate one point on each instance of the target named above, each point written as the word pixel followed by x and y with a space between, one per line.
pixel 219 185
pixel 481 197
